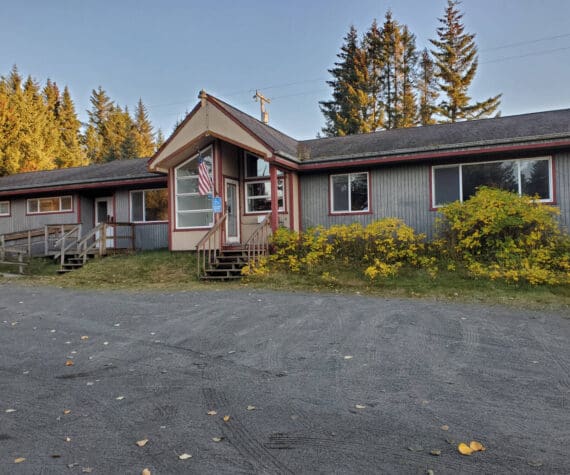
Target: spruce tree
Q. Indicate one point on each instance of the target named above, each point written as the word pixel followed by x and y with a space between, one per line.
pixel 427 89
pixel 374 47
pixel 71 153
pixel 408 114
pixel 144 137
pixel 456 64
pixel 391 79
pixel 351 111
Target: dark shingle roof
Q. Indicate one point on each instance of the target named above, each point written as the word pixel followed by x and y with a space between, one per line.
pixel 532 127
pixel 277 140
pixel 117 170
pixel 509 130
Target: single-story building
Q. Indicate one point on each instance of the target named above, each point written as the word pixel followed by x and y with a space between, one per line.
pixel 225 174
pixel 116 192
pixel 259 171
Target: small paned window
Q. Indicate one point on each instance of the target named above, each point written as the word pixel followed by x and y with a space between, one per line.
pixel 349 193
pixel 4 208
pixel 55 204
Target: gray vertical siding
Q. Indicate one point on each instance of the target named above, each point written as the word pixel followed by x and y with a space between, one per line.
pixel 151 236
pixel 87 213
pixel 20 221
pixel 401 192
pixel 562 166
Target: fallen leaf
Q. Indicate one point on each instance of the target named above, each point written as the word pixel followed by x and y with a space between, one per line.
pixel 142 443
pixel 535 463
pixel 435 452
pixel 86 470
pixel 415 448
pixel 85 337
pixel 145 471
pixel 444 427
pixel 185 456
pixel 450 441
pixel 69 363
pixel 251 408
pixel 226 418
pixel 120 398
pixel 105 342
pixel 10 410
pixel 67 439
pixel 217 439
pixel 55 456
pixel 360 406
pixel 464 449
pixel 430 472
pixel 476 446
pixel 67 411
pixel 19 460
pixel 71 465
pixel 348 357
pixel 212 413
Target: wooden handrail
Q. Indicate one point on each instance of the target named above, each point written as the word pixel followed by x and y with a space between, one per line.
pixel 257 244
pixel 205 246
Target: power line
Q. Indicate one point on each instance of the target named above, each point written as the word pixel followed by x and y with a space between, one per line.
pixel 505 58
pixel 529 42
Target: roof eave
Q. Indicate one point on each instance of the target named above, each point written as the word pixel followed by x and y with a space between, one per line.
pixel 483 146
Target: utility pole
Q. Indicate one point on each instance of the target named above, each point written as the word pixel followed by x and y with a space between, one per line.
pixel 262 101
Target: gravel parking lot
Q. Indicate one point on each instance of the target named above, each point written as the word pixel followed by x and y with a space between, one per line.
pixel 311 383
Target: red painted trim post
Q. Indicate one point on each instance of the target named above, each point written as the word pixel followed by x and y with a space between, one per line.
pixel 274 198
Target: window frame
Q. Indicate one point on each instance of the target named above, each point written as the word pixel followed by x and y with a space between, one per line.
pixel 9 204
pixel 192 177
pixel 251 180
pixel 281 209
pixel 332 210
pixel 547 158
pixel 144 221
pixel 59 198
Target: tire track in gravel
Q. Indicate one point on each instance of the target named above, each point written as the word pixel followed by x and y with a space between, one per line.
pixel 240 437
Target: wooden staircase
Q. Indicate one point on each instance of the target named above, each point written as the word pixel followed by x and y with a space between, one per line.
pixel 74 260
pixel 217 262
pixel 227 264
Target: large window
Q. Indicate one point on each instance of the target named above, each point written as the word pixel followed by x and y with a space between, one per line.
pixel 349 193
pixel 149 206
pixel 193 210
pixel 56 204
pixel 4 208
pixel 523 176
pixel 258 186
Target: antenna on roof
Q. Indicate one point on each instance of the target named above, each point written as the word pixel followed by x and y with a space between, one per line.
pixel 262 101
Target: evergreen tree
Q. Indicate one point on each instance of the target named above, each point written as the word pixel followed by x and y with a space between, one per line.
pixel 159 139
pixel 350 111
pixel 456 64
pixel 408 115
pixel 374 47
pixel 390 76
pixel 427 89
pixel 71 153
pixel 144 137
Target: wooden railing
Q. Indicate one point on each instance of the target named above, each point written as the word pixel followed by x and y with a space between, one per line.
pixel 258 243
pixel 14 255
pixel 208 247
pixel 67 241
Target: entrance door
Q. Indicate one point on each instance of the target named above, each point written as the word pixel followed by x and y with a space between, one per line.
pixel 232 208
pixel 104 214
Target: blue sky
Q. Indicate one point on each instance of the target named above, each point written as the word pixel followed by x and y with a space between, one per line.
pixel 166 51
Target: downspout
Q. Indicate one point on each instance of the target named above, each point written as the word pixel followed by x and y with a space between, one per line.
pixel 274 198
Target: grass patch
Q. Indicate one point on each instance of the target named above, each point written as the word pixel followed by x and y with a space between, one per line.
pixel 455 286
pixel 171 271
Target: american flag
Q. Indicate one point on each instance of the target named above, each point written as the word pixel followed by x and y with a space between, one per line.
pixel 204 180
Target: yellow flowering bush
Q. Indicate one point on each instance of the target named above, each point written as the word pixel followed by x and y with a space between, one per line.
pixel 500 235
pixel 380 249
